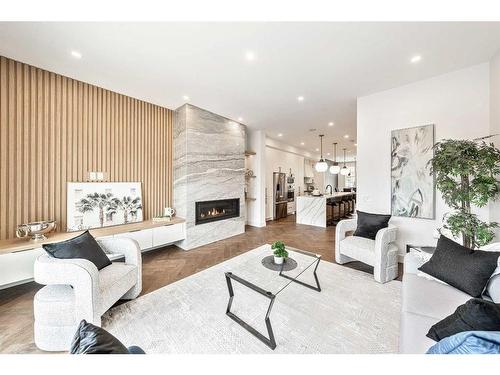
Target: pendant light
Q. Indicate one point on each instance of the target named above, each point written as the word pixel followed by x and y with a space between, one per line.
pixel 321 165
pixel 335 168
pixel 344 171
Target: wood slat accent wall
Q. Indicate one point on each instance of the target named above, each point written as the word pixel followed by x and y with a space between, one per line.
pixel 55 129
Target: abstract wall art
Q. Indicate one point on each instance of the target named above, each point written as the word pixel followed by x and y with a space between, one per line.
pixel 412 185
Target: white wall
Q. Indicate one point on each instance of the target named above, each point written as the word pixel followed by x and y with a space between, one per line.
pixel 457 103
pixel 495 124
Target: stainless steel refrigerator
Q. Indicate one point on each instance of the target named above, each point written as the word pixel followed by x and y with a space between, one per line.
pixel 279 195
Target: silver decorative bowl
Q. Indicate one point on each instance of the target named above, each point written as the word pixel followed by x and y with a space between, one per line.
pixel 36 230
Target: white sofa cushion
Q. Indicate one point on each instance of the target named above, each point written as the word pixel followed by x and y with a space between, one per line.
pixel 359 248
pixel 414 327
pixel 114 281
pixel 430 298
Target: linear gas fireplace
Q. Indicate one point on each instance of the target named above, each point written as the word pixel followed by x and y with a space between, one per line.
pixel 208 211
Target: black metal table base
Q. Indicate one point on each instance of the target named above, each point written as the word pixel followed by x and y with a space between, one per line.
pixel 269 340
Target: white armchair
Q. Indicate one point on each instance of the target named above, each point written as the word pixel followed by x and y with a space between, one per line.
pixel 381 253
pixel 76 290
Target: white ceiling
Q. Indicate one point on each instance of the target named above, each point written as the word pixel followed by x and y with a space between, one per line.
pixel 330 64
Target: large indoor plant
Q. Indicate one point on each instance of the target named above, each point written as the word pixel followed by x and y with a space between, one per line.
pixel 465 173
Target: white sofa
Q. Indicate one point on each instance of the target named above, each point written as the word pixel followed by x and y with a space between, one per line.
pixel 76 290
pixel 424 303
pixel 381 253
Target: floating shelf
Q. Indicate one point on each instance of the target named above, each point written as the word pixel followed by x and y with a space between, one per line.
pixel 249 152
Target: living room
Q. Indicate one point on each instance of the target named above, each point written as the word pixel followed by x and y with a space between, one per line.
pixel 257 188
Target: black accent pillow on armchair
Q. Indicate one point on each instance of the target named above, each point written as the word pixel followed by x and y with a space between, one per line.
pixel 369 224
pixel 83 246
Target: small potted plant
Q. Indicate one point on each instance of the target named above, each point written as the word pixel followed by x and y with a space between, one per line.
pixel 279 252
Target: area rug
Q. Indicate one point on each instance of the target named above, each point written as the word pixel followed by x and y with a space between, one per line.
pixel 351 314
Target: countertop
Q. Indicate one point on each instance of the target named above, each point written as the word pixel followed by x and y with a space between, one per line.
pixel 327 196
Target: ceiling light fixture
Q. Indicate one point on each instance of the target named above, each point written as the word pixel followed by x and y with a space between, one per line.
pixel 415 59
pixel 346 136
pixel 344 171
pixel 317 149
pixel 76 54
pixel 300 98
pixel 335 169
pixel 185 97
pixel 240 119
pixel 250 55
pixel 321 165
pixel 302 143
pixel 280 134
pixel 330 124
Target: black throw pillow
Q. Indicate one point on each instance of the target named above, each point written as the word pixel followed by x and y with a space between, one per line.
pixel 90 339
pixel 83 246
pixel 369 224
pixel 474 315
pixel 465 269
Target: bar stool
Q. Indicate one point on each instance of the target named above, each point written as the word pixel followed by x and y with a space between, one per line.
pixel 330 206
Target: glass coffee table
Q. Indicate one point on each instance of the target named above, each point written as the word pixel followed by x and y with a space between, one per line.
pixel 254 273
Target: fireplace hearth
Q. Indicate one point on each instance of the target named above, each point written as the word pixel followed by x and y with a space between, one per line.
pixel 208 211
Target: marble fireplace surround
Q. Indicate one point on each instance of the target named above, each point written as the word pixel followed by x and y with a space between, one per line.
pixel 209 164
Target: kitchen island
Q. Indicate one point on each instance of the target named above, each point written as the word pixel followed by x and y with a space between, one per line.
pixel 311 210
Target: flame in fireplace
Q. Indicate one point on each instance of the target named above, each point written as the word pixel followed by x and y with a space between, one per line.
pixel 213 212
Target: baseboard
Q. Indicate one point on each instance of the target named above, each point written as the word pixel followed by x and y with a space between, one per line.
pixel 256 224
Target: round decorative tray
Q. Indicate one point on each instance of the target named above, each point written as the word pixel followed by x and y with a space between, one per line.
pixel 288 264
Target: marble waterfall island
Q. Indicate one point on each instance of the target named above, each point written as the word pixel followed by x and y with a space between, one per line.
pixel 311 210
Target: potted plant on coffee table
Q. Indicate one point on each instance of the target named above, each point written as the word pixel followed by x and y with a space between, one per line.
pixel 280 254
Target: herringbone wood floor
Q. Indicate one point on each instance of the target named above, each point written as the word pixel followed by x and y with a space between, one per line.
pixel 164 266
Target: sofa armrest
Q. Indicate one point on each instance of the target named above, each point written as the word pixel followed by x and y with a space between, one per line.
pixel 411 263
pixel 344 226
pixel 123 246
pixel 81 274
pixel 385 236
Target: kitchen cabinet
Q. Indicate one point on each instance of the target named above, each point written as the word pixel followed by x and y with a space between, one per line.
pixel 308 169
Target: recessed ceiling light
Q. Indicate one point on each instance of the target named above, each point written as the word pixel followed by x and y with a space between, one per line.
pixel 280 134
pixel 76 54
pixel 300 98
pixel 185 97
pixel 346 136
pixel 415 59
pixel 317 149
pixel 250 55
pixel 328 153
pixel 330 124
pixel 302 143
pixel 240 119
